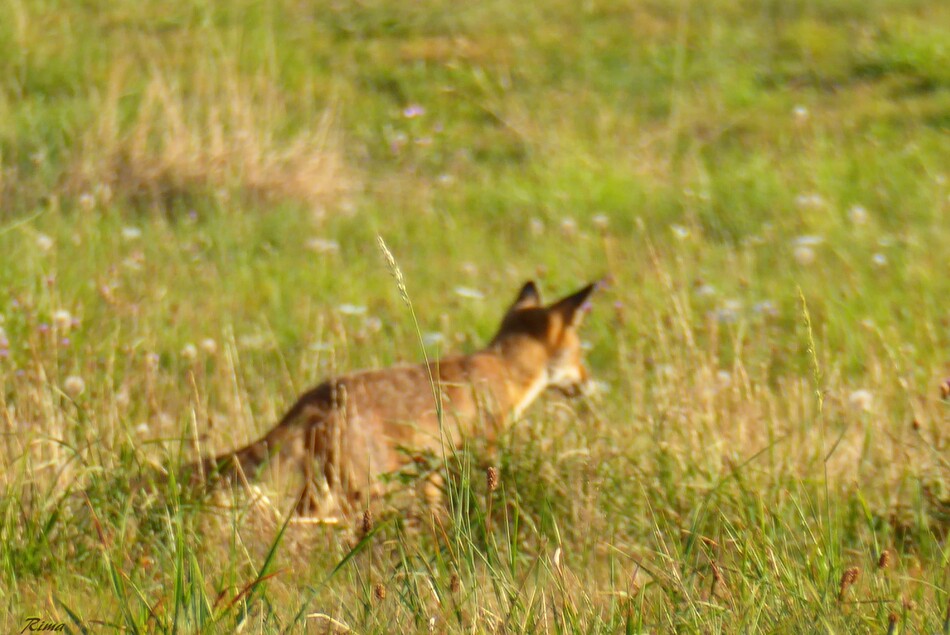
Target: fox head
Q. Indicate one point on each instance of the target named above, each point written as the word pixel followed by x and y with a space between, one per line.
pixel 541 341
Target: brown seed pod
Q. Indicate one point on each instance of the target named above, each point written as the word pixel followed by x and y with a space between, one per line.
pixel 884 560
pixel 849 577
pixel 891 623
pixel 366 522
pixel 908 604
pixel 491 478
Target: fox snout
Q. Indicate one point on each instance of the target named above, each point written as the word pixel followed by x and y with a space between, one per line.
pixel 582 385
pixel 573 391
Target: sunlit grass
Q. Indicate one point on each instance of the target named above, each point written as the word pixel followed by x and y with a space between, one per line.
pixel 191 194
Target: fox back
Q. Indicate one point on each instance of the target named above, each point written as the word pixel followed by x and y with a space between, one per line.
pixel 355 427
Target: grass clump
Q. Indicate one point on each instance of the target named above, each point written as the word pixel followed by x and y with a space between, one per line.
pixel 223 136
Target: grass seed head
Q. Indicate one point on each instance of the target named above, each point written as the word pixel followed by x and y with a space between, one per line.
pixel 491 478
pixel 848 578
pixel 379 592
pixel 884 560
pixel 366 522
pixel 393 269
pixel 891 623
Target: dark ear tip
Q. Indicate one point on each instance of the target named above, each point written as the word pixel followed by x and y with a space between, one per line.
pixel 529 290
pixel 528 295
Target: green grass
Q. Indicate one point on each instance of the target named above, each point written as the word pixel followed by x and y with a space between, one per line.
pixel 166 166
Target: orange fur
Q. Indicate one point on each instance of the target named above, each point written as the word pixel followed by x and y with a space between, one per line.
pixel 353 427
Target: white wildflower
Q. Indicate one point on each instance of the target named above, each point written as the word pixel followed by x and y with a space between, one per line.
pixel 861 400
pixel 765 307
pixel 255 341
pixel 131 232
pixel 189 352
pixel 152 360
pixel 600 221
pixel 351 309
pixel 322 245
pixel 679 231
pixel 373 324
pixel 433 339
pixel 44 242
pixel 74 386
pixel 568 226
pixel 63 320
pixel 122 397
pixel 593 387
pixel 103 192
pixel 808 240
pixel 728 312
pixel 469 293
pixel 87 201
pixel 800 113
pixel 858 215
pixel 809 201
pixel 723 379
pixel 705 290
pixel 804 255
pixel 879 260
pixel 209 346
pixel 537 226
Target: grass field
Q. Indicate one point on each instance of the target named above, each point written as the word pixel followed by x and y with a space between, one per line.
pixel 190 195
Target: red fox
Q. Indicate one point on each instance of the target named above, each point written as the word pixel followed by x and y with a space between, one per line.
pixel 354 427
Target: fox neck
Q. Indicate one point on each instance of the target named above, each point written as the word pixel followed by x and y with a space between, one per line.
pixel 529 394
pixel 527 375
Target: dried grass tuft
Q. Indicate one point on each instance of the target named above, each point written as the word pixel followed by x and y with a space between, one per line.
pixel 221 135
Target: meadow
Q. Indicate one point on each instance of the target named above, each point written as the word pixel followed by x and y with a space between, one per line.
pixel 190 198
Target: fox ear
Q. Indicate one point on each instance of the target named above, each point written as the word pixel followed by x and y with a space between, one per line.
pixel 527 298
pixel 570 307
